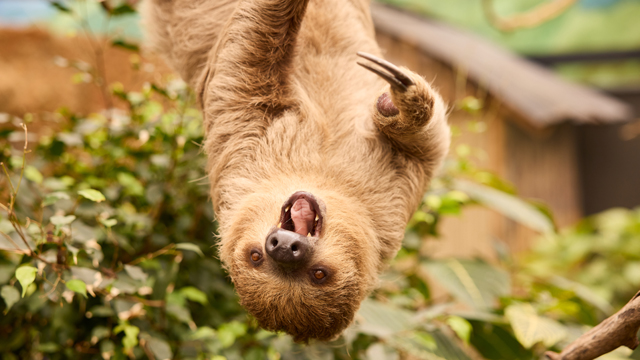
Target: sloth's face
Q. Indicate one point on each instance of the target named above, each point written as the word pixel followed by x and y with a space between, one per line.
pixel 305 267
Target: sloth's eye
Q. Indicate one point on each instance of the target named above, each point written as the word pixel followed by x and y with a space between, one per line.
pixel 256 257
pixel 319 275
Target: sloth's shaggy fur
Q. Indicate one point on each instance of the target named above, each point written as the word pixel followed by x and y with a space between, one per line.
pixel 286 108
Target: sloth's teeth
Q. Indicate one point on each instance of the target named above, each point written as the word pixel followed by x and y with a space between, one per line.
pixel 279 225
pixel 287 209
pixel 309 235
pixel 317 217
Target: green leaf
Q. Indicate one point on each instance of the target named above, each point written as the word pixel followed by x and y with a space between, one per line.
pixel 130 183
pixel 26 275
pixel 33 174
pixel 194 294
pixel 227 333
pixel 107 348
pixel 473 282
pixel 180 313
pixel 123 9
pixel 109 222
pixel 87 275
pixel 461 327
pixel 91 194
pixel 60 6
pixel 498 342
pixel 530 328
pixel 203 332
pixel 383 320
pixel 62 220
pixel 508 205
pixel 428 346
pixel 6 270
pixel 130 335
pixel 125 45
pixel 136 273
pixel 77 286
pixel 98 333
pixel 10 294
pixel 190 247
pixel 160 349
pixel 52 198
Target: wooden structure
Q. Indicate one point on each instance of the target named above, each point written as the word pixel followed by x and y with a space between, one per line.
pixel 531 115
pixel 37 72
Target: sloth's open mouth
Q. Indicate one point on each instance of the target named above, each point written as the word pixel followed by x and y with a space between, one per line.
pixel 301 214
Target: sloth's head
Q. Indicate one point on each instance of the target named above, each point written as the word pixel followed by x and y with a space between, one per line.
pixel 305 265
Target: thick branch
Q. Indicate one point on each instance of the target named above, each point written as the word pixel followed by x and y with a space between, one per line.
pixel 617 330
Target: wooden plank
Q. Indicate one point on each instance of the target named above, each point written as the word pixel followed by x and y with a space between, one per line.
pixel 546 169
pixel 528 89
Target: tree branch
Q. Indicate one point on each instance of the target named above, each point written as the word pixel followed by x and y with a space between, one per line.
pixel 533 18
pixel 615 331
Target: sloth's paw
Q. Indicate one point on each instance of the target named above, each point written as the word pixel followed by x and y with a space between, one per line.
pixel 408 105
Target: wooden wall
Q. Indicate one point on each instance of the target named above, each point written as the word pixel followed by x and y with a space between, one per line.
pixel 30 80
pixel 610 165
pixel 543 166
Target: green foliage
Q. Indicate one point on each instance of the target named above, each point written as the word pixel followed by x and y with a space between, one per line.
pixel 91 194
pixel 599 258
pixel 108 229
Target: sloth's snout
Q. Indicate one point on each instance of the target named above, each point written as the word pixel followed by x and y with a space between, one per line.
pixel 301 220
pixel 288 249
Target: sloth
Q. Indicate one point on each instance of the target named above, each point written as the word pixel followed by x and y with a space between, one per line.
pixel 318 150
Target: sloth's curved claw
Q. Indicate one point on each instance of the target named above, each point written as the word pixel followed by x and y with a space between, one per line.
pixel 397 78
pixel 394 82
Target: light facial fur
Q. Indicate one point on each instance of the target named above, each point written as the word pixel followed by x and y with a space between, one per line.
pixel 301 139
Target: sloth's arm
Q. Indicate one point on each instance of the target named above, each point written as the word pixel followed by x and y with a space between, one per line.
pixel 411 113
pixel 252 60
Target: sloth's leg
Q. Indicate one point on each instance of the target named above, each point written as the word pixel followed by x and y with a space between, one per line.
pixel 410 113
pixel 250 65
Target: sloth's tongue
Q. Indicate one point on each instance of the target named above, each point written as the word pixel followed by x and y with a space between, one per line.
pixel 303 216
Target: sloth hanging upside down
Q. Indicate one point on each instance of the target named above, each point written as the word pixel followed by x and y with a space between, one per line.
pixel 318 150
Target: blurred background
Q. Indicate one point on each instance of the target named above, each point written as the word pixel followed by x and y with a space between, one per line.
pixel 529 235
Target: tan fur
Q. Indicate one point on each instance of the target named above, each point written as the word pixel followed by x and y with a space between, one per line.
pixel 287 108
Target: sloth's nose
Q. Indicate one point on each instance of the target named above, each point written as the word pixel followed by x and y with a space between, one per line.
pixel 288 249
